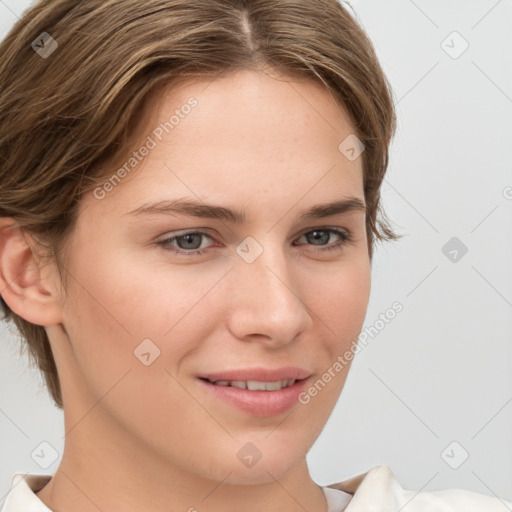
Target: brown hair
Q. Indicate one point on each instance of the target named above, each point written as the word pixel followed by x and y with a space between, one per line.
pixel 64 115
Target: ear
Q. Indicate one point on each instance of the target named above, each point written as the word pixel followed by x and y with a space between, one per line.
pixel 29 288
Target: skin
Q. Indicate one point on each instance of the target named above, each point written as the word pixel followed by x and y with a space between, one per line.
pixel 149 437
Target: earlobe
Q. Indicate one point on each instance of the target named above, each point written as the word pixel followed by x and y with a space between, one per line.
pixel 22 285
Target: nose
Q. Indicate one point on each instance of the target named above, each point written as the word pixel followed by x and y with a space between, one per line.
pixel 266 301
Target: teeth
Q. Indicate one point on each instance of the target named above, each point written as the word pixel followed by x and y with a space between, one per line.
pixel 253 385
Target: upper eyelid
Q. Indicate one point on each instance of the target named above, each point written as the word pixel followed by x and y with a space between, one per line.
pixel 206 231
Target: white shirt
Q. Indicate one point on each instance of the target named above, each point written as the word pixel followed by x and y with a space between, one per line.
pixel 377 490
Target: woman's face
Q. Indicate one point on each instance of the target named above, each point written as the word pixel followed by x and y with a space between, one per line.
pixel 148 319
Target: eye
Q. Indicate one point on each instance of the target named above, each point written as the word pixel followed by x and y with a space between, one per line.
pixel 185 241
pixel 190 242
pixel 323 234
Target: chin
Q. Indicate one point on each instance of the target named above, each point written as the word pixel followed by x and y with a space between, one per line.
pixel 249 460
pixel 263 462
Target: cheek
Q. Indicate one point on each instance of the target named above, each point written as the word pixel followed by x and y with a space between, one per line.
pixel 339 308
pixel 118 306
pixel 342 302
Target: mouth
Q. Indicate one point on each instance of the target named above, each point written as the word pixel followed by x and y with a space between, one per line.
pixel 257 375
pixel 255 385
pixel 259 392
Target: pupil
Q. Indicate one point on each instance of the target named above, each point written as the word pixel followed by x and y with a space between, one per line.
pixel 188 238
pixel 323 235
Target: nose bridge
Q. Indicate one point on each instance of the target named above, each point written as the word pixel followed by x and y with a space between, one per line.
pixel 267 300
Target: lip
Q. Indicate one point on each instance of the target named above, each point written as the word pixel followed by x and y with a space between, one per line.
pixel 258 403
pixel 260 374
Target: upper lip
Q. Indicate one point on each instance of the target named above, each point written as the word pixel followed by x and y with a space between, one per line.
pixel 259 374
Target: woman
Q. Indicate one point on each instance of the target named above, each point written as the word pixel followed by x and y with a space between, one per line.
pixel 187 371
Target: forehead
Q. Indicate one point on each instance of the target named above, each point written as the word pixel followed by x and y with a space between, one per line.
pixel 243 103
pixel 243 135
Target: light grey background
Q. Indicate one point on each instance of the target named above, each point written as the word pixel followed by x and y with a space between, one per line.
pixel 440 371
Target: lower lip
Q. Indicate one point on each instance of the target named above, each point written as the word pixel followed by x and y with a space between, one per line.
pixel 258 403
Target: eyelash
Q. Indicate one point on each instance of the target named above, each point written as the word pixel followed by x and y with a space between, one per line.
pixel 346 238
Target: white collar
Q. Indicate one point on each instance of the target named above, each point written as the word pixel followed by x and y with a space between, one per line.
pixel 379 490
pixel 22 497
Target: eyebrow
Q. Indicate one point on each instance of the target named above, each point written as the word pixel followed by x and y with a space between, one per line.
pixel 194 208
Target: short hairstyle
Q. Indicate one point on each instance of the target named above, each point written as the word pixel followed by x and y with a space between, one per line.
pixel 63 118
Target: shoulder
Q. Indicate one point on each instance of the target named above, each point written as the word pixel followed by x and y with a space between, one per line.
pixel 379 487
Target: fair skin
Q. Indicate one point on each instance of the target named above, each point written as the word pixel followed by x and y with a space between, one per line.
pixel 152 437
